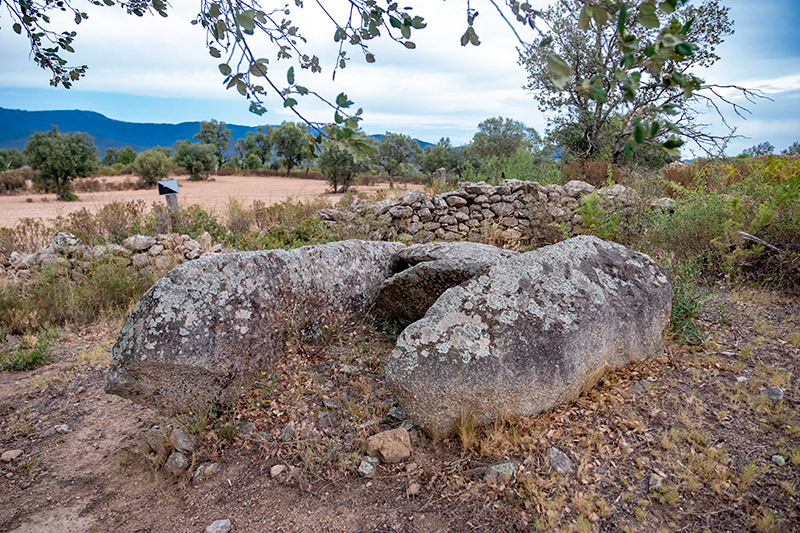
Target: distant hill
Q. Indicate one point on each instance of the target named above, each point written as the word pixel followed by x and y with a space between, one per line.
pixel 16 127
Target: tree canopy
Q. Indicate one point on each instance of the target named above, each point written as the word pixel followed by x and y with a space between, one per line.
pixel 595 115
pixel 195 157
pixel 502 137
pixel 59 158
pixel 395 150
pixel 290 141
pixel 651 41
pixel 216 134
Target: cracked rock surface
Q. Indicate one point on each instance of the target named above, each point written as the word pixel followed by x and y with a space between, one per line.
pixel 205 330
pixel 531 332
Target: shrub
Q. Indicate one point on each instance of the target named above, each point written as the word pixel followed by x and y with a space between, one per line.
pixel 53 297
pixel 596 172
pixel 33 352
pixel 196 158
pixel 597 221
pixel 151 166
pixel 686 303
pixel 58 158
pixel 14 181
pixel 238 217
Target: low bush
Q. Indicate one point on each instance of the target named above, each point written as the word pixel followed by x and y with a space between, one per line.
pixel 34 351
pixel 598 173
pixel 55 297
pixel 15 181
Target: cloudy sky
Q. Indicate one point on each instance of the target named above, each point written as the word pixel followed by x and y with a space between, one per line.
pixel 158 70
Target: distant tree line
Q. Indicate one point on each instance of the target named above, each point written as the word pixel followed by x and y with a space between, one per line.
pixel 500 148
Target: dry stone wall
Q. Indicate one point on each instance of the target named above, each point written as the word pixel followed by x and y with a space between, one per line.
pixel 517 209
pixel 148 255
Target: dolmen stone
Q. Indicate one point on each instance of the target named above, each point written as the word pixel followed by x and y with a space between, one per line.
pixel 531 332
pixel 206 329
pixel 433 268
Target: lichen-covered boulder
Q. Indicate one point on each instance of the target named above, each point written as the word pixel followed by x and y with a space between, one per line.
pixel 208 327
pixel 532 332
pixel 435 267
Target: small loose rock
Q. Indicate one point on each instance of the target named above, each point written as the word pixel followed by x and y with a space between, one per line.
pixel 779 460
pixel 639 387
pixel 277 470
pixel 414 489
pixel 288 432
pixel 219 526
pixel 176 464
pixel 774 393
pixel 392 446
pixel 10 455
pixel 367 466
pixel 182 441
pixel 560 462
pixel 62 429
pixel 331 403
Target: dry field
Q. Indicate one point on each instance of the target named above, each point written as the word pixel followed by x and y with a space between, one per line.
pixel 210 194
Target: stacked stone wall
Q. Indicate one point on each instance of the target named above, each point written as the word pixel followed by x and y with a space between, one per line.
pixel 148 255
pixel 518 210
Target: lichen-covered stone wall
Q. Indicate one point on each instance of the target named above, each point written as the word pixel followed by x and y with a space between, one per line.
pixel 148 255
pixel 516 209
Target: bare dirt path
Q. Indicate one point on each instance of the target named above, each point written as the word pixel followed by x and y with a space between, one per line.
pixel 212 194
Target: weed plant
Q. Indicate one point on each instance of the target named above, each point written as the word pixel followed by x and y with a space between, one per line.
pixel 33 351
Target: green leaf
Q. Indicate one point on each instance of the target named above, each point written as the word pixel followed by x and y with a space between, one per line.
pixel 654 128
pixel 629 148
pixel 585 18
pixel 301 90
pixel 686 49
pixel 673 142
pixel 666 7
pixel 622 18
pixel 560 72
pixel 289 102
pixel 370 58
pixel 17 28
pixel 214 52
pixel 638 133
pixel 647 16
pixel 213 11
pixel 546 41
pixel 108 2
pixel 257 69
pixel 246 21
pixel 409 45
pixel 395 22
pixel 343 101
pixel 600 16
pixel 290 76
pixel 241 87
pixel 225 69
pixel 598 94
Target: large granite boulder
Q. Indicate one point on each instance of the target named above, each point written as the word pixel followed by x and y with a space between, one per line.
pixel 531 332
pixel 434 268
pixel 207 328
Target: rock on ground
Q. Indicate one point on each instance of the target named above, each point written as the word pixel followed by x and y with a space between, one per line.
pixel 434 268
pixel 219 526
pixel 393 446
pixel 530 333
pixel 205 330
